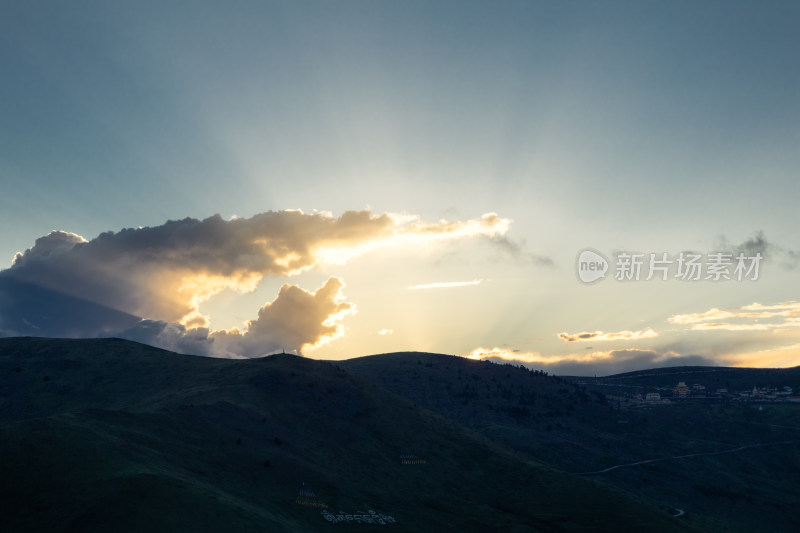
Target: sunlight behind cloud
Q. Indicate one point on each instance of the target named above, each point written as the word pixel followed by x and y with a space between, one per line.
pixel 407 230
pixel 598 362
pixel 533 357
pixel 201 287
pixel 779 357
pixel 156 278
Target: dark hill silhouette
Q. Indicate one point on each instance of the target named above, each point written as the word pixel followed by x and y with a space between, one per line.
pixel 572 426
pixel 712 377
pixel 110 435
pixel 530 411
pixel 513 394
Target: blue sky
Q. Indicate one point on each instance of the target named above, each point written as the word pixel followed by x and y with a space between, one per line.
pixel 642 126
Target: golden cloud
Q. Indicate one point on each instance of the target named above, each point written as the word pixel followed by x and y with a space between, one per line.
pixel 164 273
pixel 534 357
pixel 601 362
pixel 602 336
pixel 754 310
pixel 744 318
pixel 295 320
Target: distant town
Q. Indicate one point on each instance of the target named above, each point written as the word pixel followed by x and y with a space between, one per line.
pixel 697 392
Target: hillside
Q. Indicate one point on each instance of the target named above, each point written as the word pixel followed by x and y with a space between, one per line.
pixel 572 427
pixel 110 435
pixel 526 410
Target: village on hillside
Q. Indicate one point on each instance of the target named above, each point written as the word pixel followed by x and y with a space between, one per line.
pixel 698 392
pixel 632 396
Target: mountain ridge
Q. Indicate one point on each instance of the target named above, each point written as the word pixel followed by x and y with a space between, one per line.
pixel 111 435
pixel 730 465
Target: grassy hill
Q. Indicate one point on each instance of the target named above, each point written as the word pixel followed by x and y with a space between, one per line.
pixel 572 427
pixel 110 435
pixel 526 410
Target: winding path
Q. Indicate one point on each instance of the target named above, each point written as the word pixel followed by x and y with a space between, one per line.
pixel 687 456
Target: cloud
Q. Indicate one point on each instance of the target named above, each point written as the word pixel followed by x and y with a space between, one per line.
pixel 446 284
pixel 50 245
pixel 517 251
pixel 691 318
pixel 165 272
pixel 601 336
pixel 726 319
pixel 758 243
pixel 385 332
pixel 754 325
pixel 792 308
pixel 176 337
pixel 150 282
pixel 727 326
pixel 480 354
pixel 295 320
pixel 594 363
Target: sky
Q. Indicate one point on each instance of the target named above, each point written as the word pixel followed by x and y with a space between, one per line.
pixel 339 179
